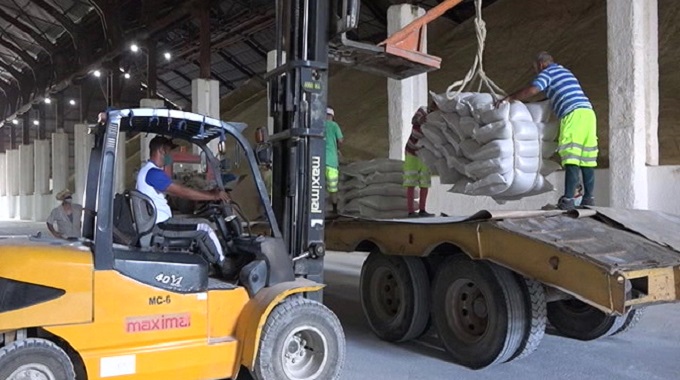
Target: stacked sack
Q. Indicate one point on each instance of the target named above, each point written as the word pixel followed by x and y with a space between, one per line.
pixel 372 189
pixel 483 150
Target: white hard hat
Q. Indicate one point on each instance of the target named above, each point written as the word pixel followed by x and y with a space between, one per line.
pixel 329 111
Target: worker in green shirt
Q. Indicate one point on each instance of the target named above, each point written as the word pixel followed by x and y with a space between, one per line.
pixel 334 139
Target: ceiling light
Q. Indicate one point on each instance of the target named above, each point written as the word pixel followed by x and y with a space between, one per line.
pixel 127 75
pixel 15 122
pixel 97 73
pixel 36 122
pixel 72 102
pixel 48 101
pixel 134 48
pixel 167 56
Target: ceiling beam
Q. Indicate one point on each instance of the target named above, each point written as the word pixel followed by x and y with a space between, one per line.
pixel 239 65
pixel 61 18
pixel 256 46
pixel 40 40
pixel 173 90
pixel 9 45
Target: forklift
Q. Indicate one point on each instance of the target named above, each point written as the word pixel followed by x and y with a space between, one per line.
pixel 149 306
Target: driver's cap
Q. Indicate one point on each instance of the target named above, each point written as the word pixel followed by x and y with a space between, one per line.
pixel 159 142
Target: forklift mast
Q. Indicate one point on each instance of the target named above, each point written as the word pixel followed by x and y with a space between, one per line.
pixel 298 90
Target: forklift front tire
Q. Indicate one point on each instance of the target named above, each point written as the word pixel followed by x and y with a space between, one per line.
pixel 302 340
pixel 35 358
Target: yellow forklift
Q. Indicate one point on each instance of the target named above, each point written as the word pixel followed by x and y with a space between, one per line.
pixel 126 302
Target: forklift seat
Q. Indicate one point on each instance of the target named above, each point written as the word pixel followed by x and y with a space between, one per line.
pixel 144 216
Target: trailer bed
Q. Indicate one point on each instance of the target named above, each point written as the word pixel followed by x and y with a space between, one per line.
pixel 611 259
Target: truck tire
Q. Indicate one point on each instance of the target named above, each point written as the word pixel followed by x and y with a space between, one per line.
pixel 534 297
pixel 479 312
pixel 301 340
pixel 35 358
pixel 576 319
pixel 395 296
pixel 632 319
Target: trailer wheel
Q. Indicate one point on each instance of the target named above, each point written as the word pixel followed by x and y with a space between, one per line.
pixel 395 296
pixel 37 359
pixel 479 312
pixel 576 319
pixel 632 319
pixel 302 340
pixel 534 296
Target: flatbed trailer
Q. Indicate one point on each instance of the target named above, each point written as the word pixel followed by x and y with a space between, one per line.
pixel 489 282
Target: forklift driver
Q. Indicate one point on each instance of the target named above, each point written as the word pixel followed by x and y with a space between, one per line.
pixel 155 183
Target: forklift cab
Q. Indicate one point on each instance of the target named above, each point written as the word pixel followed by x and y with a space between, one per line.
pixel 257 261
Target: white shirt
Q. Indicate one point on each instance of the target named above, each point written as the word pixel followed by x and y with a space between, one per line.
pixel 163 211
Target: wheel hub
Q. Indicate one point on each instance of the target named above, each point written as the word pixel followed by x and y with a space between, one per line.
pixel 386 293
pixel 33 371
pixel 304 356
pixel 467 310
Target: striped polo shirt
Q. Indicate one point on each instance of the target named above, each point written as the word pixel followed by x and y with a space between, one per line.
pixel 563 90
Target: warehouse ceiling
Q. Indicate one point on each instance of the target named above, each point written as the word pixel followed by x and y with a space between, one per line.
pixel 53 48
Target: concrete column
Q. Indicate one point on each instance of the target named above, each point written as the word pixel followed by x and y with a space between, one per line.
pixel 4 208
pixel 205 100
pixel 13 181
pixel 27 181
pixel 404 96
pixel 630 70
pixel 144 138
pixel 83 148
pixel 121 163
pixel 652 71
pixel 42 199
pixel 60 164
pixel 3 174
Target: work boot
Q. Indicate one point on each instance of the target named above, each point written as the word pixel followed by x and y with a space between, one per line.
pixel 588 202
pixel 566 204
pixel 424 214
pixel 413 215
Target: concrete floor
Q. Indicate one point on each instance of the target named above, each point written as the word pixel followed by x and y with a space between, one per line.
pixel 650 351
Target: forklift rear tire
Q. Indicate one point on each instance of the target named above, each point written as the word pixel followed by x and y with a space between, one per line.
pixel 479 311
pixel 35 358
pixel 395 296
pixel 302 340
pixel 576 319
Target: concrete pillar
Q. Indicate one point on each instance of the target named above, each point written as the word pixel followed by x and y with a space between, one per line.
pixel 60 164
pixel 4 214
pixel 630 70
pixel 205 100
pixel 12 179
pixel 83 148
pixel 652 71
pixel 404 96
pixel 121 162
pixel 26 181
pixel 42 199
pixel 144 138
pixel 3 174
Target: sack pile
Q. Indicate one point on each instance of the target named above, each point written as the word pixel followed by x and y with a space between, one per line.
pixel 483 150
pixel 372 189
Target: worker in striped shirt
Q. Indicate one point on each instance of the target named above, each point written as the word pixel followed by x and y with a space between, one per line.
pixel 577 142
pixel 416 173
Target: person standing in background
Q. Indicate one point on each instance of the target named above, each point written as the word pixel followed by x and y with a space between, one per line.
pixel 416 173
pixel 66 217
pixel 334 139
